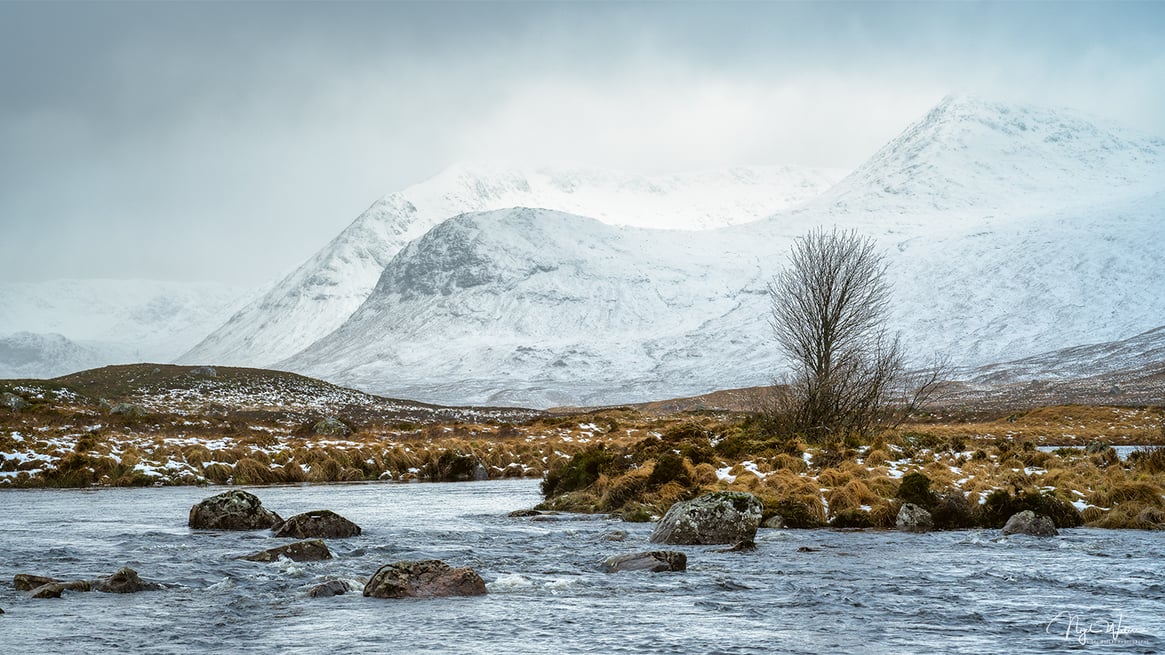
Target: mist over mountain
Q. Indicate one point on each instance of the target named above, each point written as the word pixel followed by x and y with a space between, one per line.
pixel 61 326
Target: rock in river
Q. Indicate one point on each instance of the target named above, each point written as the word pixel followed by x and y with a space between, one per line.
pixel 656 561
pixel 912 518
pixel 312 550
pixel 317 524
pixel 423 579
pixel 329 588
pixel 125 581
pixel 232 510
pixel 722 517
pixel 1028 522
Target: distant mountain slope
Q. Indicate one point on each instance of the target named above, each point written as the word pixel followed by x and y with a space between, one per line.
pixel 970 158
pixel 55 327
pixel 318 296
pixel 31 355
pixel 1131 354
pixel 543 308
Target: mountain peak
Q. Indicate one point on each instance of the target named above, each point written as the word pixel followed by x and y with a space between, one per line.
pixel 979 157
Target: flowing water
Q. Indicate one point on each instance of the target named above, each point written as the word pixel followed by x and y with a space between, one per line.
pixel 819 591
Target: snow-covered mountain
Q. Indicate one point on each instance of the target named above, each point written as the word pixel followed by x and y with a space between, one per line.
pixel 29 355
pixel 56 327
pixel 1090 359
pixel 970 159
pixel 323 292
pixel 1009 231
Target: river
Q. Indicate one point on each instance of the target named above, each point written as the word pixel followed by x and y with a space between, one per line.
pixel 820 591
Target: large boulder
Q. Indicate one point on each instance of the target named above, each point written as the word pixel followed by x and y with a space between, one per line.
pixel 1030 523
pixel 312 550
pixel 722 517
pixel 912 518
pixel 317 524
pixel 331 427
pixel 656 561
pixel 233 510
pixel 12 401
pixel 128 410
pixel 423 579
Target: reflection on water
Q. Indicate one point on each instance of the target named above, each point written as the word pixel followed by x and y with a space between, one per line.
pixel 865 591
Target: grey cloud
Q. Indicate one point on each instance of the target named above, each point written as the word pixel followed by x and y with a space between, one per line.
pixel 230 140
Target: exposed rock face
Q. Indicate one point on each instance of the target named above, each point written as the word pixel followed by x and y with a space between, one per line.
pixel 723 517
pixel 317 524
pixel 912 518
pixel 1030 523
pixel 12 401
pixel 331 427
pixel 656 561
pixel 329 588
pixel 423 579
pixel 312 550
pixel 233 510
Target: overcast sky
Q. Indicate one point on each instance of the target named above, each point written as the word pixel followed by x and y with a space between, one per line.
pixel 228 141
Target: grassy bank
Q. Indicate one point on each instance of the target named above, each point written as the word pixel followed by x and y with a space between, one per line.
pixel 139 426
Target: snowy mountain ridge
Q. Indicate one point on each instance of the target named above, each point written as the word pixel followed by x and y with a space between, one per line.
pixel 535 307
pixel 971 159
pixel 318 296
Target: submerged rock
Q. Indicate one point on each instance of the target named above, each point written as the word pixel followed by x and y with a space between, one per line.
pixel 656 561
pixel 775 522
pixel 1030 523
pixel 722 517
pixel 50 590
pixel 312 550
pixel 125 581
pixel 317 524
pixel 912 518
pixel 613 535
pixel 423 579
pixel 524 513
pixel 233 510
pixel 746 546
pixel 28 582
pixel 329 588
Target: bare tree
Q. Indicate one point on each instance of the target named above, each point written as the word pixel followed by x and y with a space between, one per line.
pixel 829 314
